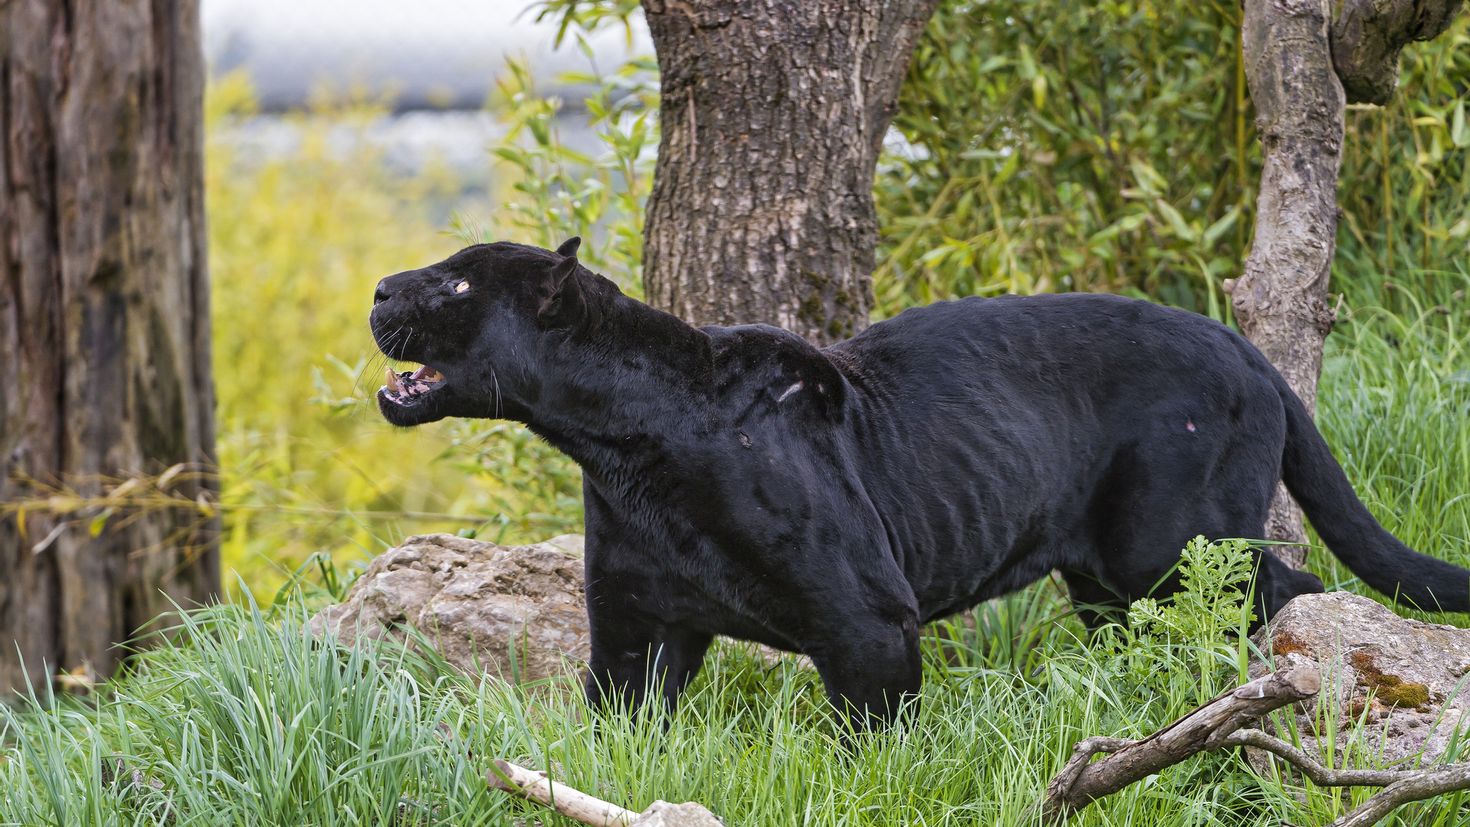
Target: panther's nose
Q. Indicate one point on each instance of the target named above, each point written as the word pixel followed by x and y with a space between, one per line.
pixel 381 294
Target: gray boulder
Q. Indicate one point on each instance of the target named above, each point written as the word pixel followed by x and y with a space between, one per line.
pixel 514 612
pixel 1404 678
pixel 664 814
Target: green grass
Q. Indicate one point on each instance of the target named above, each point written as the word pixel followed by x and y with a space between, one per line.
pixel 243 719
pixel 1395 406
pixel 250 722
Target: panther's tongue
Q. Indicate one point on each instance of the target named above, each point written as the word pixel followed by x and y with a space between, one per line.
pixel 407 384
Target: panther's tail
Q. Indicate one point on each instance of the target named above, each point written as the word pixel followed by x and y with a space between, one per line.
pixel 1318 483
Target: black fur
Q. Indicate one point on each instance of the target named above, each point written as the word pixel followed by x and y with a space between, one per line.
pixel 741 482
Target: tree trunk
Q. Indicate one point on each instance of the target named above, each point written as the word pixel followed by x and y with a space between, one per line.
pixel 104 323
pixel 1298 60
pixel 773 113
pixel 1281 299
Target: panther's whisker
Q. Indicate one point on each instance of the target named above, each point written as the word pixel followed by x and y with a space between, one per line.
pixel 369 368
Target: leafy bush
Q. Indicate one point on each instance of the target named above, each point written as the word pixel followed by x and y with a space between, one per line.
pixel 1111 146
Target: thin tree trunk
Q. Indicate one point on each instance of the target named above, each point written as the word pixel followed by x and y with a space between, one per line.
pixel 104 321
pixel 1281 299
pixel 1302 67
pixel 773 113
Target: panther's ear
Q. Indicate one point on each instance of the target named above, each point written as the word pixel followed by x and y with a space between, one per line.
pixel 569 247
pixel 565 302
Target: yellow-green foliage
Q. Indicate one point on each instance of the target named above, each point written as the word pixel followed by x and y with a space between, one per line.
pixel 1058 145
pixel 296 245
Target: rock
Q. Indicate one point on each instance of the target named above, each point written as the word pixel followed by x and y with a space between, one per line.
pixel 1403 677
pixel 481 604
pixel 688 814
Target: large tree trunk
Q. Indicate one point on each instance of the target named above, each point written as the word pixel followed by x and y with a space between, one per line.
pixel 104 322
pixel 1298 59
pixel 773 113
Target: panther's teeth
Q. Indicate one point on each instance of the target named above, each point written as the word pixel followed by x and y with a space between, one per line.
pixel 428 374
pixel 392 380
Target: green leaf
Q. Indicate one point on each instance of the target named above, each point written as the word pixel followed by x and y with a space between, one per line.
pixel 1459 132
pixel 1149 180
pixel 1215 231
pixel 1181 228
pixel 98 523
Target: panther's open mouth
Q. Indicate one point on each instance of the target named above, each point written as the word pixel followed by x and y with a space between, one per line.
pixel 409 388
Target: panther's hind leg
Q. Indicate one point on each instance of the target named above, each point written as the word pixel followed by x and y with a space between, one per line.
pixel 1095 603
pixel 1192 469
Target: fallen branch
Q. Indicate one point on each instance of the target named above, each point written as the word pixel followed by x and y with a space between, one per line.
pixel 573 804
pixel 1399 786
pixel 589 809
pixel 1082 782
pixel 1218 725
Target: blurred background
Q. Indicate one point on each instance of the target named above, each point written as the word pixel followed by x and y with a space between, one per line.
pixel 1040 145
pixel 348 140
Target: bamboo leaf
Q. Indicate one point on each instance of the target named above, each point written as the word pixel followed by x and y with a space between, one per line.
pixel 1217 230
pixel 1176 222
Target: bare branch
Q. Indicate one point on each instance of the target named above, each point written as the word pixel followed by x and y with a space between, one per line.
pixel 1400 786
pixel 1368 35
pixel 573 804
pixel 1321 775
pixel 1080 783
pixel 588 809
pixel 1423 784
pixel 1217 725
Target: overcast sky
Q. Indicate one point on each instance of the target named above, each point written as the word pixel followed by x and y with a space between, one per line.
pixel 427 52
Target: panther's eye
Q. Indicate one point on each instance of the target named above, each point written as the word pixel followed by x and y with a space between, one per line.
pixel 461 287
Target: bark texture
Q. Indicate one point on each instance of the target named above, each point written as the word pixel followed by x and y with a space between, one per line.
pixel 104 321
pixel 1368 35
pixel 1281 299
pixel 773 113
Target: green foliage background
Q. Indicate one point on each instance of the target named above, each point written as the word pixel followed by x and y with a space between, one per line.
pixel 1111 146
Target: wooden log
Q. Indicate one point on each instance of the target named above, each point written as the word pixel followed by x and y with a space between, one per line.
pixel 589 809
pixel 572 803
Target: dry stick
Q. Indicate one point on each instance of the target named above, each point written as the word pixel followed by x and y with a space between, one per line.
pixel 1080 782
pixel 573 804
pixel 1399 786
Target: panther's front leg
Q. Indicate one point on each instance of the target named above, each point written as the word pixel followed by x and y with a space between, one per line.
pixel 633 654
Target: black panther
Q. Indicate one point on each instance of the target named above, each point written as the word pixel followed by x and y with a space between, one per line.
pixel 740 481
